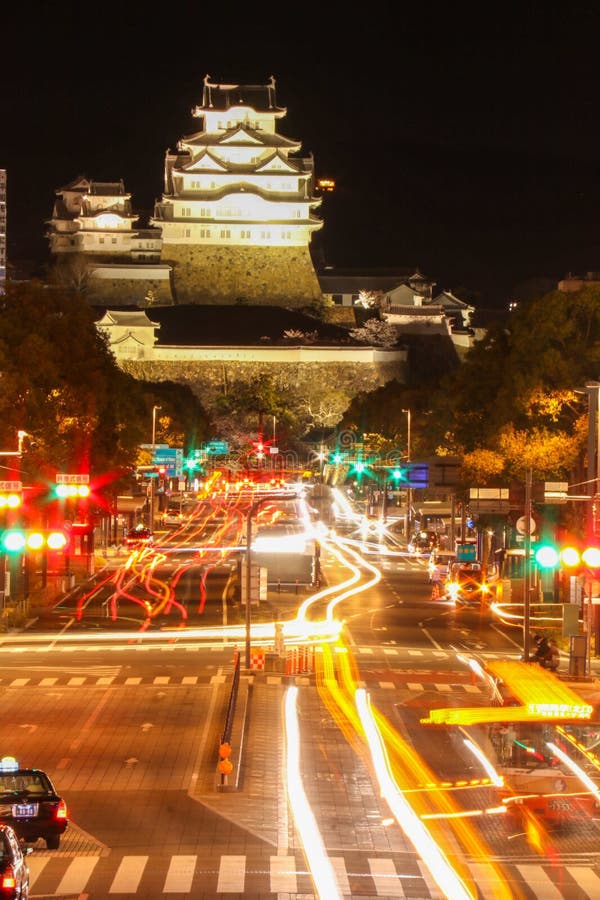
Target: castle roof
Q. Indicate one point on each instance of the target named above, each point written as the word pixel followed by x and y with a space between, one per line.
pixel 260 97
pixel 234 137
pixel 226 325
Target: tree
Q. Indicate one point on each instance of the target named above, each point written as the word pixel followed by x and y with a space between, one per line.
pixel 61 384
pixel 376 332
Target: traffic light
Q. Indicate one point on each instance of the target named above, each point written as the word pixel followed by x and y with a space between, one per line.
pixel 20 540
pixel 547 555
pixel 11 495
pixel 72 487
pixel 572 557
pixel 576 558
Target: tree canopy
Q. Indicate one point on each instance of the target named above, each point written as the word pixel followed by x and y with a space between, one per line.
pixel 61 385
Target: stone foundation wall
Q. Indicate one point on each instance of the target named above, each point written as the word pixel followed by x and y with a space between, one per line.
pixel 302 382
pixel 126 292
pixel 266 276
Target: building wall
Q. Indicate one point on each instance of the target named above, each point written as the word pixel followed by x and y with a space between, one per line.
pixel 123 291
pixel 265 276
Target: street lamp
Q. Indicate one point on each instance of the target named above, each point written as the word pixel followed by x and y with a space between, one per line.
pixel 151 510
pixel 409 489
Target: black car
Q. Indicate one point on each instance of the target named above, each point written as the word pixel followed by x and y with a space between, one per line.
pixel 139 537
pixel 30 805
pixel 14 871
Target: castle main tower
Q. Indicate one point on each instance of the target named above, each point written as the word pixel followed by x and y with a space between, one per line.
pixel 237 213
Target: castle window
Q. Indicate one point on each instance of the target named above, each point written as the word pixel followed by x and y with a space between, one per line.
pixel 187 232
pixel 204 212
pixel 101 241
pixel 186 211
pixel 286 235
pixel 225 232
pixel 245 235
pixel 113 240
pixel 205 232
pixel 265 235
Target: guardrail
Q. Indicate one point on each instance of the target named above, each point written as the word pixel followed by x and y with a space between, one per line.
pixel 232 737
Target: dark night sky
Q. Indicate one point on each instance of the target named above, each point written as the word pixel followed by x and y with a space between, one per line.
pixel 463 138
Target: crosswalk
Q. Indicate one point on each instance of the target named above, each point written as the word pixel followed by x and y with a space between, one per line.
pixel 415 681
pixel 382 876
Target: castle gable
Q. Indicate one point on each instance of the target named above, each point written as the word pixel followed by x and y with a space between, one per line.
pixel 205 162
pixel 278 163
pixel 240 135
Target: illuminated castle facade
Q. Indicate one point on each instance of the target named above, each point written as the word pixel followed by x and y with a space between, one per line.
pixel 237 212
pixel 233 225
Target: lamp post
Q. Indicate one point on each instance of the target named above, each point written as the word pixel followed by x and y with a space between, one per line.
pixel 253 507
pixel 409 489
pixel 151 511
pixel 593 489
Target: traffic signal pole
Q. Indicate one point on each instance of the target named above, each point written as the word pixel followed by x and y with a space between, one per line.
pixel 527 581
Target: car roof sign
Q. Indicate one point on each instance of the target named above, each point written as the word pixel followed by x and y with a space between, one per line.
pixel 8 764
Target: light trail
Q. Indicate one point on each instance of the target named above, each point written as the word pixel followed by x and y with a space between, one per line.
pixel 432 855
pixel 321 870
pixel 576 770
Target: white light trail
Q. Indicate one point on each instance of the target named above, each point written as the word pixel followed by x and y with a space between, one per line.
pixel 493 775
pixel 321 870
pixel 432 855
pixel 577 770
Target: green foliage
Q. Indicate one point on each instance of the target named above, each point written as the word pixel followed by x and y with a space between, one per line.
pixel 61 384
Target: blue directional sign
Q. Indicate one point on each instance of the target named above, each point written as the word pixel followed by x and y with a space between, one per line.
pixel 169 457
pixel 413 475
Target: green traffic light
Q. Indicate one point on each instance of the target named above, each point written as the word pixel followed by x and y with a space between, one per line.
pixel 547 556
pixel 13 541
pixel 398 474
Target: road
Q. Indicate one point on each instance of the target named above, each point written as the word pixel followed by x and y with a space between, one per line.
pixel 128 729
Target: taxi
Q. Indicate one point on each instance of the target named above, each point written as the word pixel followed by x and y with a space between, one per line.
pixel 14 871
pixel 30 804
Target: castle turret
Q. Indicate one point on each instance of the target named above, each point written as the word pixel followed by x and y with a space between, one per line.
pixel 238 210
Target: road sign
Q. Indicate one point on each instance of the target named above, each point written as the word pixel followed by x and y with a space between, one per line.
pixel 444 471
pixel 489 500
pixel 169 457
pixel 521 525
pixel 11 486
pixel 217 448
pixel 466 552
pixel 73 479
pixel 556 491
